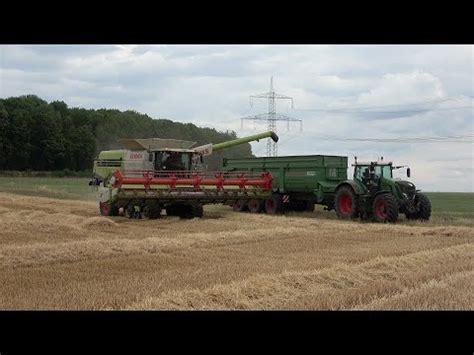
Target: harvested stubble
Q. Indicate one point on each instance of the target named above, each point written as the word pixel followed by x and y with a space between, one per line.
pixel 59 254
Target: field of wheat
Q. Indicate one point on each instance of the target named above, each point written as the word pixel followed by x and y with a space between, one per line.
pixel 60 254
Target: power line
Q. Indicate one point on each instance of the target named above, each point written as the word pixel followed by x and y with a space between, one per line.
pixel 469 138
pixel 357 109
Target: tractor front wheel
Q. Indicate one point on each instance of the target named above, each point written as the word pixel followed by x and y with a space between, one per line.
pixel 345 203
pixel 423 208
pixel 385 208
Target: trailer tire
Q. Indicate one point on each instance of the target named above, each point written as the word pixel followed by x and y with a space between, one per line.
pixel 345 203
pixel 274 204
pixel 309 206
pixel 385 208
pixel 240 206
pixel 255 206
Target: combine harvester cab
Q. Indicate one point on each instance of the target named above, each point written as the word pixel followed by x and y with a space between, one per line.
pixel 155 174
pixel 299 182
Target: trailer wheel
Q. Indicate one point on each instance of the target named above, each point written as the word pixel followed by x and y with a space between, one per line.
pixel 274 204
pixel 255 206
pixel 240 206
pixel 385 208
pixel 107 209
pixel 309 206
pixel 345 203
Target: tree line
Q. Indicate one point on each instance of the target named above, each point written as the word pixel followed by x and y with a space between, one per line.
pixel 41 136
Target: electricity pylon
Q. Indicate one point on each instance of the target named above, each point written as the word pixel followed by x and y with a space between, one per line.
pixel 271 116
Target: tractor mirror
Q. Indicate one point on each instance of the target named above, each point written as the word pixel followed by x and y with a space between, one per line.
pixel 201 158
pixel 408 172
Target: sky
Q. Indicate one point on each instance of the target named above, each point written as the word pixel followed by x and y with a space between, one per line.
pixel 339 91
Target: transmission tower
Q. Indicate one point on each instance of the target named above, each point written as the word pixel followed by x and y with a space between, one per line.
pixel 271 116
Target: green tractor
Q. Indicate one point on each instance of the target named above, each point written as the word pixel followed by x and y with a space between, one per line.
pixel 374 194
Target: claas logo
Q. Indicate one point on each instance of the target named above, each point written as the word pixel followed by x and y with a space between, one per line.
pixel 136 155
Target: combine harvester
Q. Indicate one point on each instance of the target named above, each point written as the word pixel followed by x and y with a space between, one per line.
pixel 155 174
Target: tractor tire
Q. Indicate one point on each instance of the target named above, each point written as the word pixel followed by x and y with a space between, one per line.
pixel 345 203
pixel 106 209
pixel 240 206
pixel 423 206
pixel 385 208
pixel 274 204
pixel 152 211
pixel 255 206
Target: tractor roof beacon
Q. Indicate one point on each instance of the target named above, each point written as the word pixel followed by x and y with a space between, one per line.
pixel 374 194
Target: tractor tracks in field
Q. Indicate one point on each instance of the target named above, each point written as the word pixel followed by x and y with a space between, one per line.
pixel 342 286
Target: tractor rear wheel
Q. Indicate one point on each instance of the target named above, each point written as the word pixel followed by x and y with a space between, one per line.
pixel 423 208
pixel 345 203
pixel 108 209
pixel 385 208
pixel 274 204
pixel 255 206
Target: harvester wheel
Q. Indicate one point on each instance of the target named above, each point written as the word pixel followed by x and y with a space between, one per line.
pixel 152 212
pixel 345 203
pixel 423 208
pixel 128 211
pixel 255 206
pixel 274 204
pixel 385 208
pixel 106 209
pixel 197 210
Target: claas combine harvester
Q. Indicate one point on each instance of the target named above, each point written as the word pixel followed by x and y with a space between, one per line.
pixel 151 175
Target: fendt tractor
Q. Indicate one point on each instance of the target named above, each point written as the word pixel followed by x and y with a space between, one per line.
pixel 151 175
pixel 374 194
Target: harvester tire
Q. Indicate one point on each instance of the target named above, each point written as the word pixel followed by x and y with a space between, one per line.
pixel 274 204
pixel 255 206
pixel 197 210
pixel 152 212
pixel 106 209
pixel 423 206
pixel 345 203
pixel 385 208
